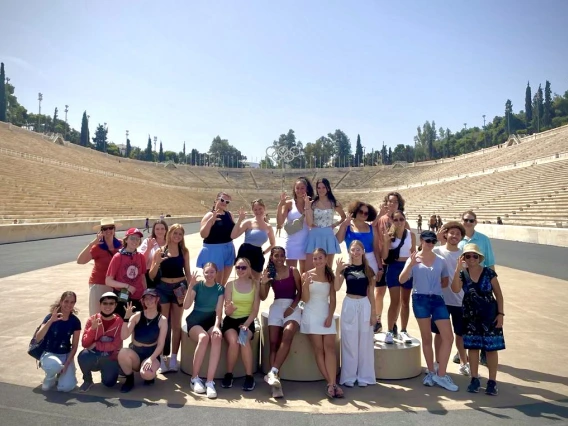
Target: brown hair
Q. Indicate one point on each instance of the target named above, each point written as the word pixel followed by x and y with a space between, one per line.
pixel 355 206
pixel 369 273
pixel 329 275
pixel 455 225
pixel 65 295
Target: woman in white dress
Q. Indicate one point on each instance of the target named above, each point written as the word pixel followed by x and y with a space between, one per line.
pixel 290 210
pixel 318 295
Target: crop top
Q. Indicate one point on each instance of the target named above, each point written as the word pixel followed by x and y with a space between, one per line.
pixel 172 267
pixel 405 249
pixel 256 237
pixel 356 280
pixel 220 232
pixel 286 288
pixel 365 237
pixel 147 330
pixel 242 301
pixel 323 218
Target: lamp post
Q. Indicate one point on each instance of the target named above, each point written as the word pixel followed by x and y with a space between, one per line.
pixel 39 98
pixel 155 142
pixel 66 110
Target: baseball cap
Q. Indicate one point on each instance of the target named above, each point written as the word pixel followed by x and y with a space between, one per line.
pixel 134 231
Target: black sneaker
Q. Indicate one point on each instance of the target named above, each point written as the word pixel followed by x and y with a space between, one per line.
pixel 474 385
pixel 227 381
pixel 456 358
pixel 377 327
pixel 491 388
pixel 128 384
pixel 483 358
pixel 249 383
pixel 149 382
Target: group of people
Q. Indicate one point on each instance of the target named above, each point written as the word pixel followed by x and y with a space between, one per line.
pixel 140 289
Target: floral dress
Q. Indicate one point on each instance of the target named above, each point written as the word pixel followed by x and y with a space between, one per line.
pixel 479 313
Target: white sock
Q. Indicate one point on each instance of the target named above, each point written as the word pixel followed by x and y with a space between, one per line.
pixel 274 370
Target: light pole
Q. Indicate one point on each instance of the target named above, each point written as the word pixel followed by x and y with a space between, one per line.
pixel 66 110
pixel 39 98
pixel 155 142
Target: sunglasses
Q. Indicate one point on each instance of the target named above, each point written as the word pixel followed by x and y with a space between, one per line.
pixel 107 228
pixel 430 241
pixel 108 303
pixel 224 201
pixel 364 212
pixel 469 220
pixel 241 268
pixel 472 256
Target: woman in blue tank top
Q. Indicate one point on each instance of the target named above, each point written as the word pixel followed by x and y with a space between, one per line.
pixel 257 232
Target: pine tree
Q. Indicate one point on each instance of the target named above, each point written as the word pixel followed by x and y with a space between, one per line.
pixel 54 122
pixel 161 154
pixel 358 152
pixel 547 115
pixel 528 106
pixel 128 148
pixel 84 140
pixel 148 154
pixel 3 103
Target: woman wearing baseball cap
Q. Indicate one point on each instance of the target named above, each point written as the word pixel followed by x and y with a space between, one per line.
pixel 103 247
pixel 126 272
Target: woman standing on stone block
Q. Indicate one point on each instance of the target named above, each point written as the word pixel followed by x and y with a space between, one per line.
pixel 101 250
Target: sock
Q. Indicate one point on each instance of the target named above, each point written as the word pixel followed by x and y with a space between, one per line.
pixel 274 370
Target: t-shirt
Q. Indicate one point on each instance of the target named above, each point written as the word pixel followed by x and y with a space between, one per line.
pixel 59 337
pixel 356 280
pixel 484 245
pixel 102 259
pixel 451 259
pixel 428 279
pixel 206 297
pixel 129 269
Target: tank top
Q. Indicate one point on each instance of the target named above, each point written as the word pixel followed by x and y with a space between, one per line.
pixel 323 218
pixel 405 249
pixel 147 331
pixel 256 237
pixel 365 237
pixel 356 280
pixel 172 267
pixel 286 288
pixel 242 301
pixel 221 230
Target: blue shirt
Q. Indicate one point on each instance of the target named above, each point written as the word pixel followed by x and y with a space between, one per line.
pixel 428 279
pixel 58 338
pixel 484 245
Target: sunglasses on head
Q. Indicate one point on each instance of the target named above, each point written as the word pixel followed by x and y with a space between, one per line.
pixel 469 220
pixel 107 228
pixel 364 212
pixel 241 268
pixel 224 201
pixel 431 240
pixel 398 220
pixel 472 256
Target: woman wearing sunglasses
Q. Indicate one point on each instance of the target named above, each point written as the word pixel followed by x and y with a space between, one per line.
pixel 430 274
pixel 218 248
pixel 399 243
pixel 483 314
pixel 101 250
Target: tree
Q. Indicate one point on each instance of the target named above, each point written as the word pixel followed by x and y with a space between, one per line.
pixel 528 106
pixel 54 123
pixel 161 157
pixel 358 152
pixel 148 154
pixel 84 140
pixel 547 114
pixel 3 107
pixel 100 139
pixel 128 149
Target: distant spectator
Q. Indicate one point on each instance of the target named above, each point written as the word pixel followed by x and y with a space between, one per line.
pixel 499 221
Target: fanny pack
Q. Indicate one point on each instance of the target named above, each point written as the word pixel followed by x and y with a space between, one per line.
pixel 294 226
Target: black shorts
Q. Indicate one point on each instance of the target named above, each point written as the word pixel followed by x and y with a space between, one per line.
pixel 205 320
pixel 253 254
pixel 144 352
pixel 235 324
pixel 456 315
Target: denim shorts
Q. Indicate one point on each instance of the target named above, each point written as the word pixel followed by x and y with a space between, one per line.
pixel 429 306
pixel 166 291
pixel 220 254
pixel 393 272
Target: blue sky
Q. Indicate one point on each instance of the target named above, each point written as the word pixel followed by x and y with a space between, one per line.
pixel 250 70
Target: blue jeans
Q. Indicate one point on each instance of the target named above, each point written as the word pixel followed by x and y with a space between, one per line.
pixel 429 306
pixel 92 360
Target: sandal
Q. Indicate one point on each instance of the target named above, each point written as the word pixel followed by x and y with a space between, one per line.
pixel 330 394
pixel 338 392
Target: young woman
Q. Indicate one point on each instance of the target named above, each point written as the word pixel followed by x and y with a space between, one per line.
pixel 399 243
pixel 357 228
pixel 171 266
pixel 483 313
pixel 430 274
pixel 204 325
pixel 102 341
pixel 101 250
pixel 152 244
pixel 60 330
pixel 294 211
pixel 284 315
pixel 126 272
pixel 241 308
pixel 319 215
pixel 318 294
pixel 357 318
pixel 148 329
pixel 218 248
pixel 257 232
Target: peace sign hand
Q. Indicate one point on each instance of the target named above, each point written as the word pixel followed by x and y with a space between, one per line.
pixel 129 311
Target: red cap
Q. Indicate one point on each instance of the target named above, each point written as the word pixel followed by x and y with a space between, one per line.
pixel 134 231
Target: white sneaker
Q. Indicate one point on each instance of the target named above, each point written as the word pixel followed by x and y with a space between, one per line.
pixel 197 385
pixel 389 338
pixel 405 337
pixel 464 369
pixel 211 392
pixel 272 379
pixel 436 366
pixel 446 382
pixel 163 366
pixel 428 380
